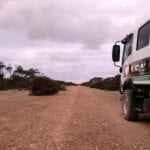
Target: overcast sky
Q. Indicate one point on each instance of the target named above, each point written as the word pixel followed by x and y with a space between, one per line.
pixel 67 40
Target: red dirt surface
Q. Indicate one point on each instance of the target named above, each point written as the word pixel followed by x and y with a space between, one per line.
pixel 77 119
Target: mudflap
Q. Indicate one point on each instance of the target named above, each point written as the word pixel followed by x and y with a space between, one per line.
pixel 146 105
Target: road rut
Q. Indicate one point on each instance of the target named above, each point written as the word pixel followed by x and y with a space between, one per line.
pixel 77 119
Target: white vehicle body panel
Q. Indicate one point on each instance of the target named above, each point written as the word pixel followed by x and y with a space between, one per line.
pixel 136 56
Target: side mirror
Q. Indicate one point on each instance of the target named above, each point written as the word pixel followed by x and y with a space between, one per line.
pixel 116 53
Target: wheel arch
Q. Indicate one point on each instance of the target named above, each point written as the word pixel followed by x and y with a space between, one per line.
pixel 128 84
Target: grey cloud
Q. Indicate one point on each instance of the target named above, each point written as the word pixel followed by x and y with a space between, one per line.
pixel 67 39
pixel 66 21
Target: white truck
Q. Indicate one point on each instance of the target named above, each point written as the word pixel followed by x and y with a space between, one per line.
pixel 135 71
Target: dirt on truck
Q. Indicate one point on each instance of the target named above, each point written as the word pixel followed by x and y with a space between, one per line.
pixel 77 119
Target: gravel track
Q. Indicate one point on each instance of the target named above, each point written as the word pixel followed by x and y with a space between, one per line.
pixel 77 119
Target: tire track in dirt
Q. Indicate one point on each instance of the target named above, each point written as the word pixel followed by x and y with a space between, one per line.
pixel 97 124
pixel 77 119
pixel 42 122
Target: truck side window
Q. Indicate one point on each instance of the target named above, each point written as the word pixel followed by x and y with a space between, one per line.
pixel 143 36
pixel 127 48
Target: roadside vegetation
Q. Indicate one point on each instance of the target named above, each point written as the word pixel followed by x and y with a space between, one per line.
pixel 38 84
pixel 29 79
pixel 111 83
pixel 44 86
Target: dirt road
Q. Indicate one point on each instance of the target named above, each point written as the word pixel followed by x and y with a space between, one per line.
pixel 77 119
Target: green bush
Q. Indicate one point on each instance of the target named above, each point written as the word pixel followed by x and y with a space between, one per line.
pixel 44 86
pixel 111 83
pixel 2 86
pixel 62 87
pixel 18 82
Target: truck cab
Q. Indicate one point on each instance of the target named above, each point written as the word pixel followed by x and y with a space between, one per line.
pixel 135 71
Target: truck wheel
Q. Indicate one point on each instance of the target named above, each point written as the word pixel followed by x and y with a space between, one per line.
pixel 128 106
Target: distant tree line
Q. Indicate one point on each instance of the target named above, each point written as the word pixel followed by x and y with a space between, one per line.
pixel 29 79
pixel 38 84
pixel 17 78
pixel 111 83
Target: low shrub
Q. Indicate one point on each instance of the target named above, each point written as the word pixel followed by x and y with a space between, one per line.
pixel 18 82
pixel 111 84
pixel 44 86
pixel 62 87
pixel 2 86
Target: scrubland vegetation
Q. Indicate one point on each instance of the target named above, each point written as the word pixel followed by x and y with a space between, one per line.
pixel 111 83
pixel 31 79
pixel 38 84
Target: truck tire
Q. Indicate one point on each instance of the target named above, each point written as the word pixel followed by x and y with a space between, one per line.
pixel 128 105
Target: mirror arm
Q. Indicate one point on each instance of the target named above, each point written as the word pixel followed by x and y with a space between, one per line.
pixel 116 65
pixel 117 42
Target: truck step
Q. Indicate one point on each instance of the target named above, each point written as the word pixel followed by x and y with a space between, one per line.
pixel 139 97
pixel 138 109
